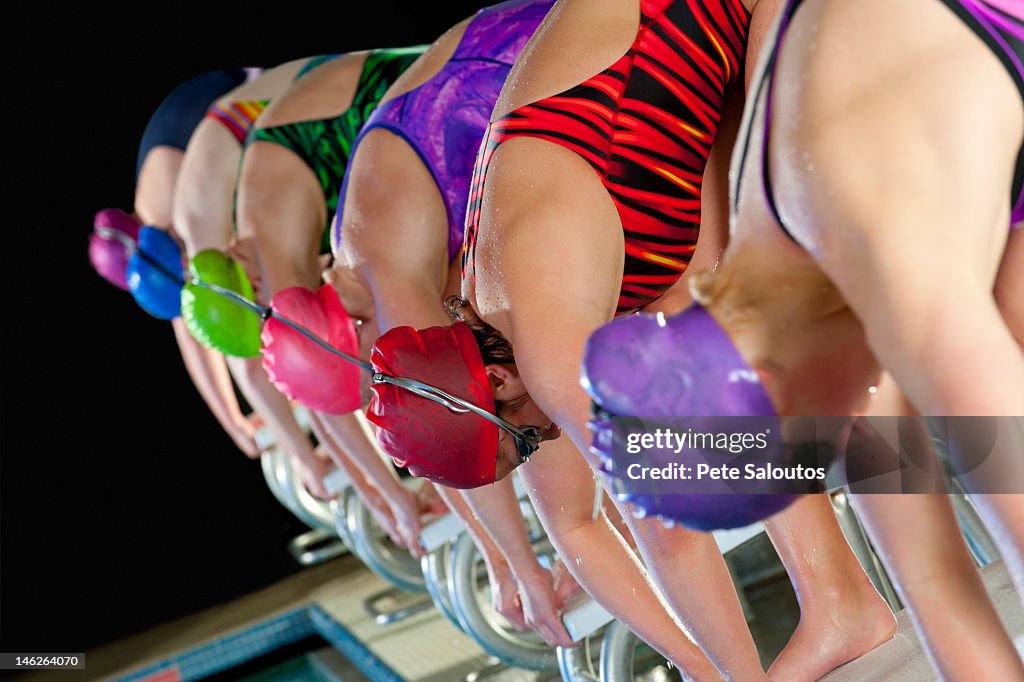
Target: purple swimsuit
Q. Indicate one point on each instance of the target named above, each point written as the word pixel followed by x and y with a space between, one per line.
pixel 444 119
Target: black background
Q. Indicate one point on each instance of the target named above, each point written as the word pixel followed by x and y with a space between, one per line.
pixel 123 504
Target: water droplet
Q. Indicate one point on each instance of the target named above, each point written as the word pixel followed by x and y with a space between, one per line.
pixel 873 390
pixel 809 167
pixel 579 561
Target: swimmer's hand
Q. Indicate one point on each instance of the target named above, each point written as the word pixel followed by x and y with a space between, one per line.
pixel 242 431
pixel 381 512
pixel 429 500
pixel 543 605
pixel 565 584
pixel 408 515
pixel 505 595
pixel 312 473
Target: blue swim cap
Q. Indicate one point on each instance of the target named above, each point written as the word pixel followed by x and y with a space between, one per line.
pixel 155 274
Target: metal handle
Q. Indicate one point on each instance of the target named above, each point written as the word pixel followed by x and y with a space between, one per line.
pixel 582 663
pixel 618 648
pixel 278 478
pixel 268 463
pixel 979 540
pixel 482 623
pixel 339 506
pixel 315 546
pixel 435 577
pixel 313 512
pixel 369 543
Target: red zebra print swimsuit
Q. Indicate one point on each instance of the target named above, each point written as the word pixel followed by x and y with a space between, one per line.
pixel 646 125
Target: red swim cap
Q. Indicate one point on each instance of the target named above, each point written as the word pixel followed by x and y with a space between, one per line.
pixel 457 450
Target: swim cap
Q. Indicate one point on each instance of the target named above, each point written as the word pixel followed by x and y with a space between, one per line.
pixel 215 320
pixel 155 274
pixel 683 367
pixel 303 370
pixel 113 241
pixel 434 442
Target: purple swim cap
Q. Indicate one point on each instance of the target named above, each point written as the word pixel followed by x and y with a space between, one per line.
pixel 683 374
pixel 112 242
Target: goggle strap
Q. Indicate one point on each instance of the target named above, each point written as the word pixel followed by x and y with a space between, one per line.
pixel 111 234
pixel 424 390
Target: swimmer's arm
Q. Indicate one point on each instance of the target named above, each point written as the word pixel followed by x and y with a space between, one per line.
pixel 211 378
pixel 355 450
pixel 277 413
pixel 496 508
pixel 340 440
pixel 351 435
pixel 284 214
pixel 552 319
pixel 407 288
pixel 154 188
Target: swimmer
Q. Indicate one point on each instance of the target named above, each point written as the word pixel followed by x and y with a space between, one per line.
pixel 587 203
pixel 892 246
pixel 205 213
pixel 116 233
pixel 398 236
pixel 291 172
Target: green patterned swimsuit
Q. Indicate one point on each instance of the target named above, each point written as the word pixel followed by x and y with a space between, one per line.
pixel 324 144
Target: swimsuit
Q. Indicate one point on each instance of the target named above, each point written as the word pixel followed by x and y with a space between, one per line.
pixel 646 126
pixel 443 119
pixel 238 117
pixel 1002 31
pixel 181 111
pixel 326 144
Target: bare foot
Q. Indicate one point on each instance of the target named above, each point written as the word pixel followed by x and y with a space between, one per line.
pixel 844 625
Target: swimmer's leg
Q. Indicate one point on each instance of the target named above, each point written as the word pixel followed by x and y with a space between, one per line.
pixel 902 235
pixel 842 616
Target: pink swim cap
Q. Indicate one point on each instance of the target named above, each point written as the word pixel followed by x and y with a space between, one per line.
pixel 111 244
